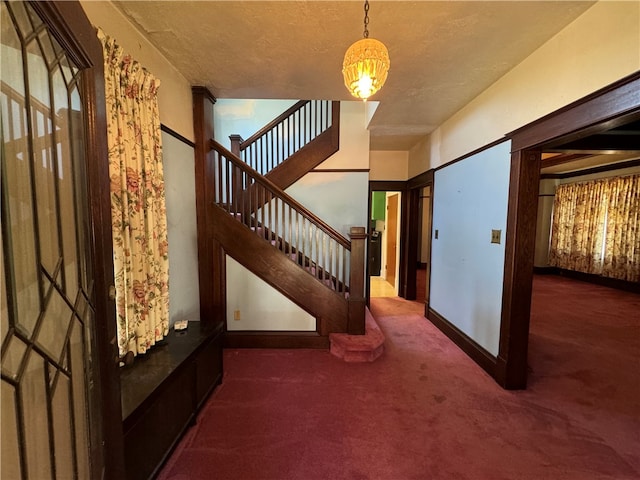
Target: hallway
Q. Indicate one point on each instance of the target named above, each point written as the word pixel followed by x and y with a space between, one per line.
pixel 424 410
pixel 381 288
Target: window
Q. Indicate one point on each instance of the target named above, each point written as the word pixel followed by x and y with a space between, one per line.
pixel 596 227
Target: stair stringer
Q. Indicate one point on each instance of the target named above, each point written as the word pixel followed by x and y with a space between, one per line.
pixel 306 159
pixel 271 265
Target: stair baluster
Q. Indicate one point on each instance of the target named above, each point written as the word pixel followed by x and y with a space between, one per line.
pixel 275 216
pixel 288 135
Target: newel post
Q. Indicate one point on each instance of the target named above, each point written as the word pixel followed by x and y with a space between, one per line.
pixel 236 178
pixel 236 140
pixel 357 300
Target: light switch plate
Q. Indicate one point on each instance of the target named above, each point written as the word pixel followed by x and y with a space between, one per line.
pixel 495 236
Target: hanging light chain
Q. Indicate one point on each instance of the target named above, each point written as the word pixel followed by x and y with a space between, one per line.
pixel 366 18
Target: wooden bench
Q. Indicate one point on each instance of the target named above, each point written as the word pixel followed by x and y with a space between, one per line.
pixel 162 393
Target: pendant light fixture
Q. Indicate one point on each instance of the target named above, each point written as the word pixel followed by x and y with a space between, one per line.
pixel 366 64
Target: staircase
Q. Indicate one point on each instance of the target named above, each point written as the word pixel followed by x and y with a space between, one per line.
pixel 250 218
pixel 287 246
pixel 295 142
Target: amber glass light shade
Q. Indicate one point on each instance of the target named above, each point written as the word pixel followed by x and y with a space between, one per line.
pixel 365 67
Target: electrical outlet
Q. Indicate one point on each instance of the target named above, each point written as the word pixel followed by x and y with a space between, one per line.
pixel 236 315
pixel 495 236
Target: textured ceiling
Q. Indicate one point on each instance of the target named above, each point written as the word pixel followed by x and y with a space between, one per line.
pixel 443 54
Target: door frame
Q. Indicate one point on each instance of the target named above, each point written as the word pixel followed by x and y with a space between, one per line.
pixel 71 27
pixel 414 189
pixel 390 186
pixel 391 236
pixel 409 222
pixel 607 108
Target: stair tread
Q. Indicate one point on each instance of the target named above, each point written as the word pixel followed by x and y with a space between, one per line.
pixel 359 348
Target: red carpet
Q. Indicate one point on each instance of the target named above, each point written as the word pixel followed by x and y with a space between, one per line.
pixel 424 410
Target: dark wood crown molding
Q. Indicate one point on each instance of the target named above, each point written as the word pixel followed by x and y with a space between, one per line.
pixel 590 171
pixel 204 92
pixel 607 108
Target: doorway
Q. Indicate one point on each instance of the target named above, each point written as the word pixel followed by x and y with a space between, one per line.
pixel 574 127
pixel 391 239
pixel 384 243
pixel 424 245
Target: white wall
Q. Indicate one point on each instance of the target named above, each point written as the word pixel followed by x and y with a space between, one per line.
pixel 174 95
pixel 389 165
pixel 338 198
pixel 179 176
pixel 598 48
pixel 176 112
pixel 354 139
pixel 420 157
pixel 470 199
pixel 259 306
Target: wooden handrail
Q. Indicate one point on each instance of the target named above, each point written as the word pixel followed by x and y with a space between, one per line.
pixel 274 189
pixel 269 126
pixel 289 133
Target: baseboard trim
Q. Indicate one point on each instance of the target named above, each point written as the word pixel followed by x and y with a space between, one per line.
pixel 546 270
pixel 477 353
pixel 590 278
pixel 275 340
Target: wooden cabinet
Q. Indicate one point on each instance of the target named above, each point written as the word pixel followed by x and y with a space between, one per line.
pixel 162 392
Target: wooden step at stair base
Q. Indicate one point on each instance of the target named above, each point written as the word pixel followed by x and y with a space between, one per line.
pixel 359 348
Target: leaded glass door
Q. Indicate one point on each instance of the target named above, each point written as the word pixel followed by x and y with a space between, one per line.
pixel 50 391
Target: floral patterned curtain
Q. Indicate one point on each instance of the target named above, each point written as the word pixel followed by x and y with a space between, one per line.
pixel 622 240
pixel 596 227
pixel 138 210
pixel 578 226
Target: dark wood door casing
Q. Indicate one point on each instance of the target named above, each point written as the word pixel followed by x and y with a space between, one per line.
pixel 414 187
pixel 392 186
pixel 609 107
pixel 511 364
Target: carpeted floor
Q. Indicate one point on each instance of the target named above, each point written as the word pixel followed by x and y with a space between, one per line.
pixel 424 410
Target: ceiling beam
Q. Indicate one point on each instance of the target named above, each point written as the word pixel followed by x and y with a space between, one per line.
pixel 600 143
pixel 561 159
